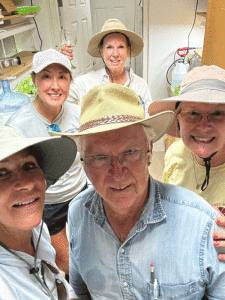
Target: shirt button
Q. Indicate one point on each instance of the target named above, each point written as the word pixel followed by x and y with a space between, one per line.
pixel 122 250
pixel 125 284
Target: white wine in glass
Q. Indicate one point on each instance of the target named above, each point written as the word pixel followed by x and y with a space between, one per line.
pixel 69 38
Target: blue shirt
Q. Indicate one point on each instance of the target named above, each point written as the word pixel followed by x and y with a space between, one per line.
pixel 174 233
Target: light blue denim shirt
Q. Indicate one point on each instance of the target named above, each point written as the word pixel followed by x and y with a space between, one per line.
pixel 174 233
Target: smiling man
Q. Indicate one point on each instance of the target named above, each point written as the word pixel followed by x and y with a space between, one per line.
pixel 127 220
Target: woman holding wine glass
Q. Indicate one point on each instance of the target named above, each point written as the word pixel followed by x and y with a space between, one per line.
pixel 114 44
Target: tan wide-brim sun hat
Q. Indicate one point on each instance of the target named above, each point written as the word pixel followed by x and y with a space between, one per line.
pixel 55 155
pixel 204 84
pixel 115 26
pixel 112 106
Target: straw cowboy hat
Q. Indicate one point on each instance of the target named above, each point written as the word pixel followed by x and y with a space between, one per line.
pixel 54 155
pixel 112 106
pixel 112 26
pixel 204 84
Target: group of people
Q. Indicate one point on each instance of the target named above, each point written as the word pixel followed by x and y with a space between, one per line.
pixel 130 236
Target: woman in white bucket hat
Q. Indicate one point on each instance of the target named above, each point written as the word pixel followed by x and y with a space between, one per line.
pixel 27 259
pixel 114 44
pixel 50 111
pixel 197 160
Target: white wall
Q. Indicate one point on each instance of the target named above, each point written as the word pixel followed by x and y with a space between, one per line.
pixel 168 25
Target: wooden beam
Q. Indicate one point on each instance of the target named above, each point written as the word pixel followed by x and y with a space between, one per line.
pixel 214 41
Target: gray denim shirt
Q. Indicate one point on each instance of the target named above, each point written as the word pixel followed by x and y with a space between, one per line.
pixel 174 233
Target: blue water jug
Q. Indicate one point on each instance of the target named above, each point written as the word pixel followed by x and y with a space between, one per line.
pixel 10 102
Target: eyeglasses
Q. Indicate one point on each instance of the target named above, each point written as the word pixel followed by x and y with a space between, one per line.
pixel 126 158
pixel 195 117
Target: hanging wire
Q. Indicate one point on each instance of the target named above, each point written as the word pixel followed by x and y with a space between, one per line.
pixel 193 22
pixel 192 48
pixel 37 28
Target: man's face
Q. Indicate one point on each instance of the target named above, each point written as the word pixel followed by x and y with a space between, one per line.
pixel 120 187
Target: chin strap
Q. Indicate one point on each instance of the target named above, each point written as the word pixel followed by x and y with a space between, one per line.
pixel 207 166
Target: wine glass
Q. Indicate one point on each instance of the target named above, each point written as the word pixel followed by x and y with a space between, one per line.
pixel 69 38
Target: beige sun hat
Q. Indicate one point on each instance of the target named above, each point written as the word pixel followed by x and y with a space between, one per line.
pixel 54 155
pixel 112 26
pixel 112 106
pixel 204 84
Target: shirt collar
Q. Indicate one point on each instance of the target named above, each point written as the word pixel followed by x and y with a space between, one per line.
pixel 153 211
pixel 129 74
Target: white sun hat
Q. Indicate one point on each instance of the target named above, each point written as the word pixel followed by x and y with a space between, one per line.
pixel 204 84
pixel 54 155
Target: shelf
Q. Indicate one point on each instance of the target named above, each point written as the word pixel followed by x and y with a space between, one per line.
pixel 17 16
pixel 17 71
pixel 15 29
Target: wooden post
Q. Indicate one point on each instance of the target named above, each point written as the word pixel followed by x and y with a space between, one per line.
pixel 214 42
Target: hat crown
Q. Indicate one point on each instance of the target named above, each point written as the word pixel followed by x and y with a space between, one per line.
pixel 108 102
pixel 113 24
pixel 47 57
pixel 203 73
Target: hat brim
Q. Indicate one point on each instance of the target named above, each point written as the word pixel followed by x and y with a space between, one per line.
pixel 159 123
pixel 48 63
pixel 136 42
pixel 201 96
pixel 54 154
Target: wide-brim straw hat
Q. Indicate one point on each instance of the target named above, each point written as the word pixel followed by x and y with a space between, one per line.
pixel 115 26
pixel 47 57
pixel 112 106
pixel 55 155
pixel 204 84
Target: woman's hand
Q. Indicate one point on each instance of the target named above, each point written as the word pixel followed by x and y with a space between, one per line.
pixel 67 50
pixel 219 236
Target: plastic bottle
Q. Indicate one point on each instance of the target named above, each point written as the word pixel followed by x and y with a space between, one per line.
pixel 178 75
pixel 10 102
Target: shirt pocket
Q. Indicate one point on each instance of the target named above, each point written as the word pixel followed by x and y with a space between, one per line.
pixel 175 292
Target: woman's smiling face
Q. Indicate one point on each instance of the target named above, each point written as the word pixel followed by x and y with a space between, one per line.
pixel 22 192
pixel 114 52
pixel 204 137
pixel 53 84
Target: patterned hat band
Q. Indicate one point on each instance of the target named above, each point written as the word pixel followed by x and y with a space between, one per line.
pixel 204 84
pixel 108 120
